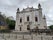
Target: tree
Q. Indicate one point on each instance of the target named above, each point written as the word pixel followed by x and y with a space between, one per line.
pixel 11 23
pixel 50 27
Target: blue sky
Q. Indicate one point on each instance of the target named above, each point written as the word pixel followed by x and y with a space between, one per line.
pixel 8 7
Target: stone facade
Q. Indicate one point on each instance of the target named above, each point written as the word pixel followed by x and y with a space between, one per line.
pixel 30 18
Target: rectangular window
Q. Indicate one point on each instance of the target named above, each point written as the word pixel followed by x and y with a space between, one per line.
pixel 36 19
pixel 27 18
pixel 20 20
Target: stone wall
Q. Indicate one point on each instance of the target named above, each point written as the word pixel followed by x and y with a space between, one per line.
pixel 24 36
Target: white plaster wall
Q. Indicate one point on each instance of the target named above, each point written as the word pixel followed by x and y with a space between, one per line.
pixel 32 14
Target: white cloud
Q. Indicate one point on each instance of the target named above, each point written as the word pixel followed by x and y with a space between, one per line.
pixel 5 2
pixel 9 7
pixel 42 0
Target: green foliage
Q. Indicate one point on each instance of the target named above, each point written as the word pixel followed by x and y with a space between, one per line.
pixel 51 27
pixel 11 23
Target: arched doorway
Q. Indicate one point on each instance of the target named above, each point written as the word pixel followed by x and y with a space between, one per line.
pixel 28 27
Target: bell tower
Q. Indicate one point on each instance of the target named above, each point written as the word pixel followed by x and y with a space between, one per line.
pixel 17 18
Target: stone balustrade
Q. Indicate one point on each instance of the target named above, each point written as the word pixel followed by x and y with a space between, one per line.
pixel 25 36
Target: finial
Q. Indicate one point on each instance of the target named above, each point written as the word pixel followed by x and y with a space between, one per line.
pixel 18 10
pixel 23 8
pixel 44 17
pixel 39 6
pixel 32 7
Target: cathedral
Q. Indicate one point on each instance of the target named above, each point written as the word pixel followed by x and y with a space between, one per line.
pixel 30 25
pixel 30 18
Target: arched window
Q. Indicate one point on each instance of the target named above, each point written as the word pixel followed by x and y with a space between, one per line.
pixel 27 18
pixel 36 19
pixel 20 20
pixel 28 27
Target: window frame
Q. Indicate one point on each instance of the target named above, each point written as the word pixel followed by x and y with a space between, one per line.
pixel 28 27
pixel 28 18
pixel 36 19
pixel 20 20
